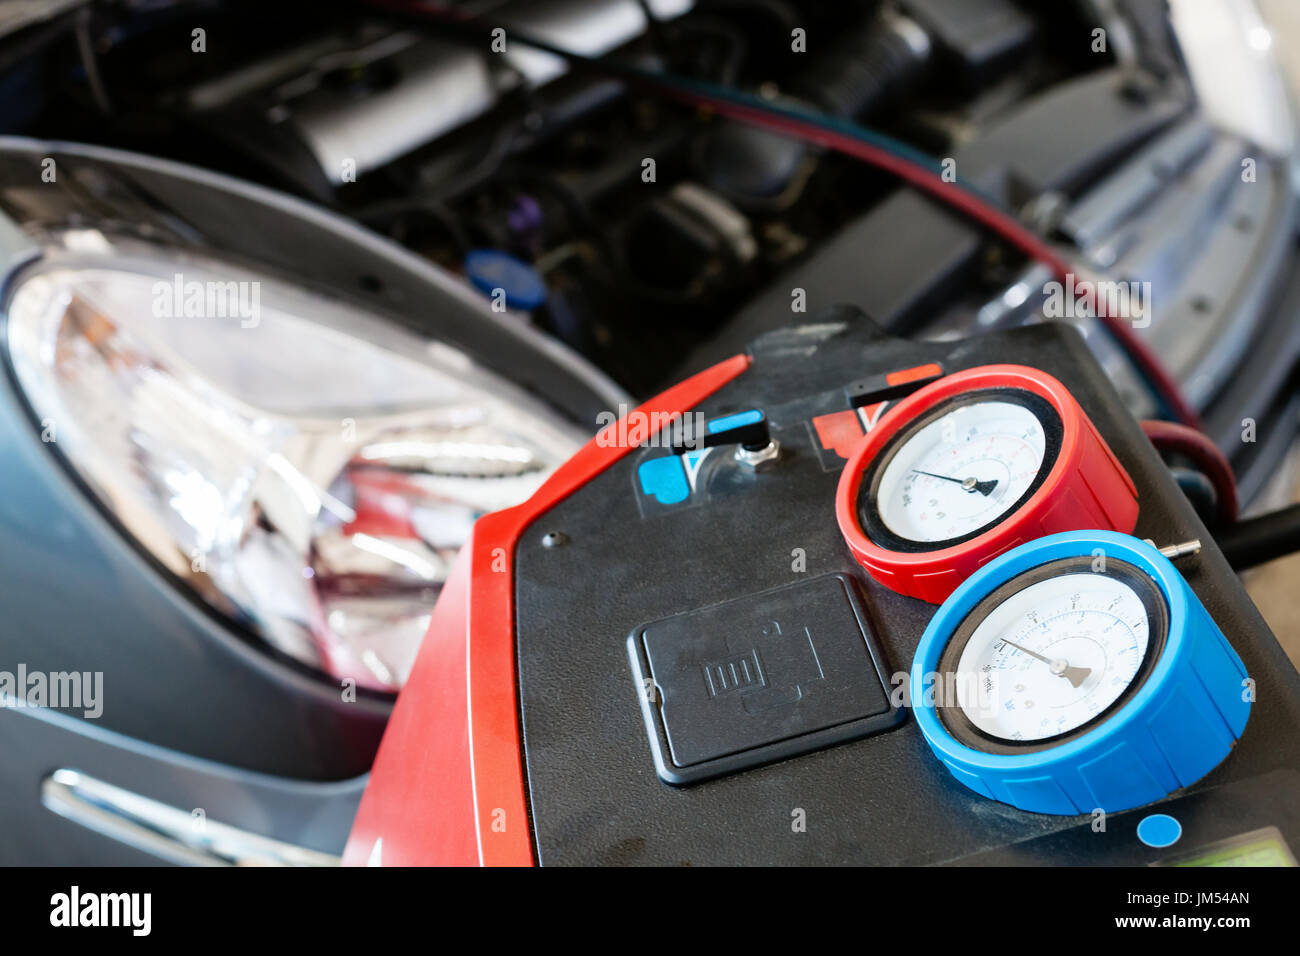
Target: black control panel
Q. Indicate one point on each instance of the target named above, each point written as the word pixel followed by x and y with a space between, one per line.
pixel 707 676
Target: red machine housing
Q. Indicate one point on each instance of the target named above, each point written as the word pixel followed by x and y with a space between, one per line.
pixel 457 797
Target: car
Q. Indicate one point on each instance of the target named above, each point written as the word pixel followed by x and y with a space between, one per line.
pixel 292 297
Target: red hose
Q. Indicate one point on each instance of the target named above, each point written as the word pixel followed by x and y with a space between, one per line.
pixel 1179 439
pixel 989 216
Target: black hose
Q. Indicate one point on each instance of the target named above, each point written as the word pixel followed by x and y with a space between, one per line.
pixel 869 67
pixel 862 73
pixel 1257 540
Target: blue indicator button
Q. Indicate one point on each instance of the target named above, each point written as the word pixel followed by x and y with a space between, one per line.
pixel 1159 830
pixel 664 479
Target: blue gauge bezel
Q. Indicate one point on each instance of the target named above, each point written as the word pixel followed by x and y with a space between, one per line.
pixel 1001 570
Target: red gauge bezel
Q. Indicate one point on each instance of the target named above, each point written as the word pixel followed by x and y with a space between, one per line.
pixel 1086 488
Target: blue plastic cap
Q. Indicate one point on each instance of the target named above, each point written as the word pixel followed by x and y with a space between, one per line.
pixel 490 269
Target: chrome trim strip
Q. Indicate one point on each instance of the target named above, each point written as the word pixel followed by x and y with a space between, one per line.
pixel 175 835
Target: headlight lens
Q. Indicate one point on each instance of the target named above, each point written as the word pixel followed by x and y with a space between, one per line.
pixel 309 469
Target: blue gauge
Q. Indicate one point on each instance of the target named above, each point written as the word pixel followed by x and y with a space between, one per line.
pixel 1078 672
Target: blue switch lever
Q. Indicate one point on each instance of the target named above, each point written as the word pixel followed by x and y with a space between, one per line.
pixel 748 429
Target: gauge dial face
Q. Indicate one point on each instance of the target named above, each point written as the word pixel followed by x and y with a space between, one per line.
pixel 1053 656
pixel 961 471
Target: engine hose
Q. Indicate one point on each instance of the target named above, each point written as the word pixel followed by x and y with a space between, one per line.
pixel 867 70
pixel 870 67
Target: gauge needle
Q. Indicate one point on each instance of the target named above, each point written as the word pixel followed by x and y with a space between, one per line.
pixel 968 484
pixel 1059 665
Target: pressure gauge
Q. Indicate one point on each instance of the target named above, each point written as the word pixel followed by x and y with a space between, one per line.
pixel 969 466
pixel 1078 672
pixel 964 469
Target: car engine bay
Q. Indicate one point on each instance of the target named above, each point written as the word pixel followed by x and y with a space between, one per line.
pixel 652 238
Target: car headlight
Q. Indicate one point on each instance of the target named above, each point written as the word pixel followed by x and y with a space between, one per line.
pixel 1231 55
pixel 309 469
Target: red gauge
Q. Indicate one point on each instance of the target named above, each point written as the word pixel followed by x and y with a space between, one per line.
pixel 973 465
